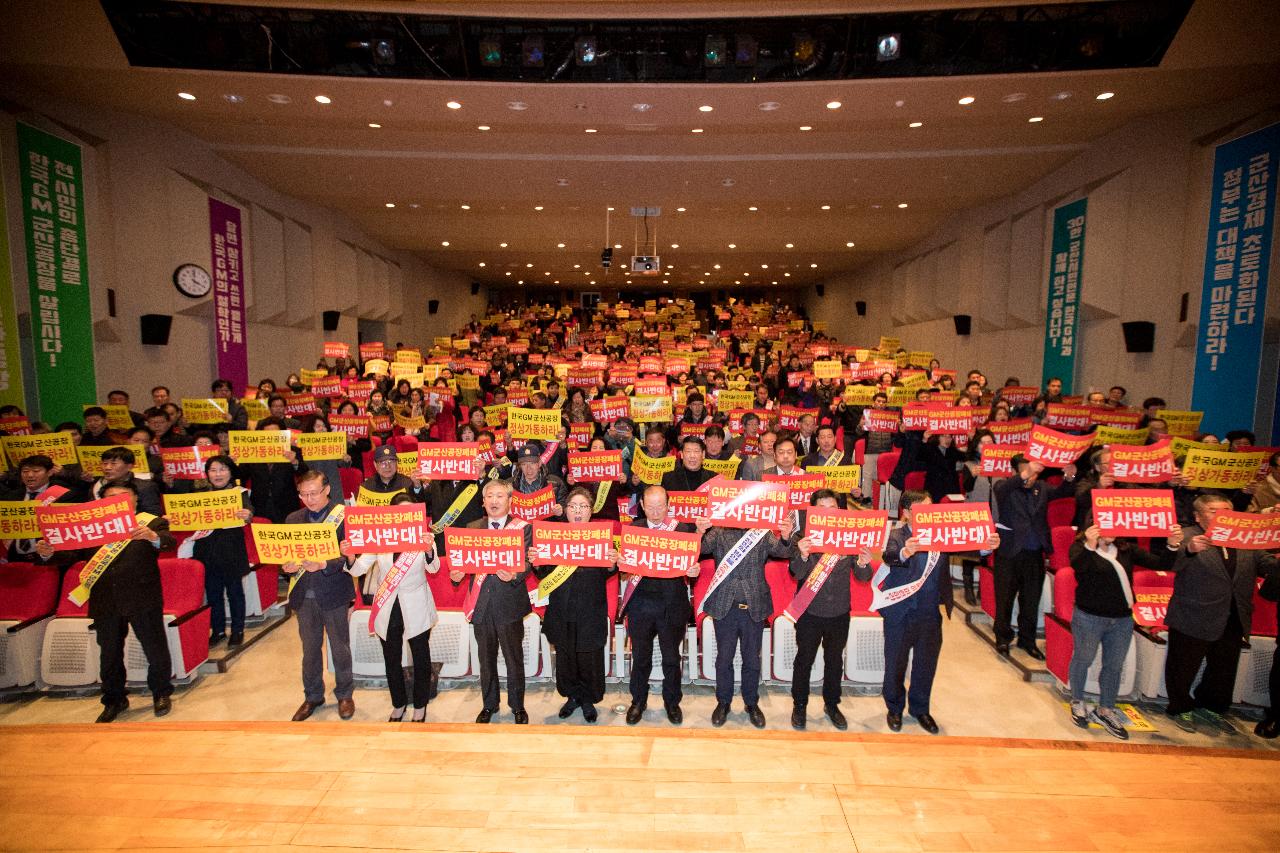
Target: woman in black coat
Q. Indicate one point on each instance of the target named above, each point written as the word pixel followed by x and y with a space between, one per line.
pixel 274 484
pixel 225 556
pixel 939 459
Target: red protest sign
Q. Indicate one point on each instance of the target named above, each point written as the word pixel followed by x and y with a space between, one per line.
pixel 483 552
pixel 651 364
pixel 387 529
pixel 695 430
pixel 534 505
pixel 658 553
pixel 800 487
pixel 789 416
pixel 1062 416
pixel 16 425
pixel 1133 512
pixel 745 504
pixel 915 416
pixel 996 459
pixel 686 506
pixel 1247 530
pixel 949 420
pixel 355 426
pixel 584 544
pixel 596 466
pixel 622 375
pixel 1019 395
pixel 606 410
pixel 952 527
pixel 336 349
pixel 580 435
pixel 296 405
pixel 187 463
pixel 1120 418
pixel 358 391
pixel 839 531
pixel 882 420
pixel 449 460
pixel 651 386
pixel 1151 463
pixel 1011 432
pixel 68 527
pixel 1054 449
pixel 580 377
pixel 595 361
pixel 1151 602
pixel 371 350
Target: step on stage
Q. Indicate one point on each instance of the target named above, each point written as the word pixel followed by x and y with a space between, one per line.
pixel 421 787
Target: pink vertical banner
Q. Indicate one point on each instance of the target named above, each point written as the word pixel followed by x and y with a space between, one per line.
pixel 226 240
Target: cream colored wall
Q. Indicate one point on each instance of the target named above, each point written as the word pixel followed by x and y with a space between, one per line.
pixel 1148 185
pixel 147 186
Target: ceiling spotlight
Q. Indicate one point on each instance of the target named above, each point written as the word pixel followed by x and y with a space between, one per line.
pixel 502 245
pixel 529 266
pixel 916 124
pixel 966 100
pixel 833 105
pixel 806 127
pixel 642 108
pixel 466 207
pixel 186 96
pixel 678 209
pixel 537 207
pixel 589 130
pixel 764 266
pixel 233 99
pixel 617 245
pixel 753 208
pixel 791 245
pixel 813 266
pixel 508 272
pixel 518 106
pixel 826 207
pixel 374 125
pixel 610 209
pixel 1035 119
pixel 902 205
pixel 482 127
pixel 696 130
pixel 279 99
pixel 482 263
pixel 577 266
pixel 1105 96
pixel 675 245
pixel 705 108
pixel 716 266
pixel 391 204
pixel 1060 96
pixel 848 245
pixel 888 47
pixel 323 99
pixel 444 243
pixel 453 105
pixel 559 245
pixel 769 106
pixel 733 245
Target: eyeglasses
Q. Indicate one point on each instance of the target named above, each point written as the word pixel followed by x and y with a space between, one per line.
pixel 314 494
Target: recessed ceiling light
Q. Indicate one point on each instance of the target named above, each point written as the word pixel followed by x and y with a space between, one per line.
pixel 813 266
pixel 1060 96
pixel 590 130
pixel 502 245
pixel 391 204
pixel 559 245
pixel 678 209
pixel 769 106
pixel 642 108
pixel 902 205
pixel 529 266
pixel 562 182
pixel 444 243
pixel 716 266
pixel 705 108
pixel 1105 96
pixel 617 245
pixel 775 282
pixel 1035 119
pixel 374 125
pixel 466 207
pixel 733 245
pixel 675 245
pixel 696 130
pixel 833 105
pixel 786 275
pixel 233 99
pixel 508 272
pixel 609 208
pixel 548 272
pixel 753 208
pixel 453 105
pixel 323 99
pixel 186 96
pixel 737 281
pixel 518 106
pixel 537 207
pixel 826 207
pixel 279 99
pixel 916 124
pixel 577 266
pixel 482 263
pixel 746 275
pixel 966 100
pixel 791 245
pixel 414 205
pixel 764 266
pixel 848 245
pixel 806 127
pixel 482 127
pixel 521 281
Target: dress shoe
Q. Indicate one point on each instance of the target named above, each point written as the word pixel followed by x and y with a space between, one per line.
pixel 928 723
pixel 634 713
pixel 397 716
pixel 214 639
pixel 346 708
pixel 567 709
pixel 419 715
pixel 836 717
pixel 756 716
pixel 1002 649
pixel 1033 652
pixel 484 716
pixel 589 713
pixel 719 715
pixel 236 639
pixel 522 717
pixel 798 718
pixel 306 709
pixel 894 720
pixel 113 710
pixel 161 705
pixel 970 597
pixel 675 716
pixel 1268 729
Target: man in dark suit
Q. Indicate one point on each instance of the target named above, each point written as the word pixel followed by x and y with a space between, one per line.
pixel 128 595
pixel 117 467
pixel 275 491
pixel 500 608
pixel 1210 613
pixel 825 453
pixel 913 626
pixel 689 474
pixel 1022 504
pixel 320 599
pixel 657 607
pixel 36 474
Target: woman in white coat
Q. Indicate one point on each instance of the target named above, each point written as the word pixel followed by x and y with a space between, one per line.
pixel 410 611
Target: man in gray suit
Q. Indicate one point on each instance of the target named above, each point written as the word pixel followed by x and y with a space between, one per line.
pixel 502 604
pixel 1210 613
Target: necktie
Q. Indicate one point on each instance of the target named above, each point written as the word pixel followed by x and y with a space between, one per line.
pixel 32 496
pixel 494 525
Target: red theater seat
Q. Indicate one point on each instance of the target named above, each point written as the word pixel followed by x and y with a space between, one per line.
pixel 28 595
pixel 914 480
pixel 186 621
pixel 1061 512
pixel 885 463
pixel 1061 556
pixel 351 480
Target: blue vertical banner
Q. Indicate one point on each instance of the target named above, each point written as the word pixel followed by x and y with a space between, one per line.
pixel 1233 298
pixel 1062 315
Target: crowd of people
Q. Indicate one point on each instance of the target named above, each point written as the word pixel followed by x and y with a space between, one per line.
pixel 745 400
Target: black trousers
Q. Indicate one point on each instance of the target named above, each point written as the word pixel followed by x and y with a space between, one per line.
pixel 918 638
pixel 646 620
pixel 148 627
pixel 1019 576
pixel 832 632
pixel 1221 657
pixel 509 637
pixel 579 671
pixel 393 655
pixel 1273 711
pixel 220 581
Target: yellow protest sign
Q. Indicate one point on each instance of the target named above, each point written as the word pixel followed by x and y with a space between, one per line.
pixel 828 368
pixel 91 457
pixel 841 479
pixel 1185 424
pixel 18 520
pixel 727 400
pixel 118 417
pixel 405 369
pixel 859 395
pixel 727 468
pixel 468 382
pixel 442 342
pixel 58 446
pixel 1119 435
pixel 888 344
pixel 495 414
pixel 1180 447
pixel 256 409
pixel 915 381
pixel 410 422
pixel 365 497
pixel 197 410
pixel 247 446
pixel 651 409
pixel 407 463
pixel 295 543
pixel 308 376
pixel 409 356
pixel 919 358
pixel 204 510
pixel 539 424
pixel 376 366
pixel 650 470
pixel 1222 469
pixel 899 395
pixel 317 446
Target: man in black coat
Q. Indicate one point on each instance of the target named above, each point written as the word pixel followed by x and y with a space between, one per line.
pixel 386 477
pixel 36 473
pixel 1022 504
pixel 117 467
pixel 128 595
pixel 275 494
pixel 657 607
pixel 689 474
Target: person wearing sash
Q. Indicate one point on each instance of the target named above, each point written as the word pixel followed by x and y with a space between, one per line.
pixel 117 468
pixel 824 621
pixel 125 595
pixel 36 472
pixel 320 595
pixel 498 606
pixel 615 490
pixel 740 605
pixel 656 607
pixel 386 478
pixel 913 626
pixel 689 474
pixel 402 607
pixel 225 557
pixel 577 621
pixel 825 453
pixel 531 475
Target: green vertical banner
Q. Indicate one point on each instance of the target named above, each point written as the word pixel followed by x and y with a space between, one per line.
pixel 10 351
pixel 1062 317
pixel 58 272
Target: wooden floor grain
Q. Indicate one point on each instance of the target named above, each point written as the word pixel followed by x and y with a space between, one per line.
pixel 334 786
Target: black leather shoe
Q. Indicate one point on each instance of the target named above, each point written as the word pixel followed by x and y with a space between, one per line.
pixel 970 598
pixel 1033 652
pixel 236 639
pixel 589 713
pixel 1268 729
pixel 798 718
pixel 214 639
pixel 928 723
pixel 110 712
pixel 756 716
pixel 161 705
pixel 1002 649
pixel 522 717
pixel 836 717
pixel 567 709
pixel 674 715
pixel 894 721
pixel 719 715
pixel 634 714
pixel 484 716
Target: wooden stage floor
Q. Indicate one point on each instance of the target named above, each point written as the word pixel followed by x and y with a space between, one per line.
pixel 224 786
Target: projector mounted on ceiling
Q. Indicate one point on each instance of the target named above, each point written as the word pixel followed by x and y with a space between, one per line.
pixel 646 264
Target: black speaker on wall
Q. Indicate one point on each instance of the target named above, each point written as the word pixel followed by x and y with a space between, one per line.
pixel 475 288
pixel 964 323
pixel 330 320
pixel 860 307
pixel 433 305
pixel 155 329
pixel 1139 336
pixel 820 289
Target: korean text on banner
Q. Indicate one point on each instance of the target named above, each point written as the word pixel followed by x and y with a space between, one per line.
pixel 658 553
pixel 1061 341
pixel 226 243
pixel 540 424
pixel 838 531
pixel 68 527
pixel 295 543
pixel 952 527
pixel 204 510
pixel 482 552
pixel 387 529
pixel 583 544
pixel 1245 530
pixel 1133 512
